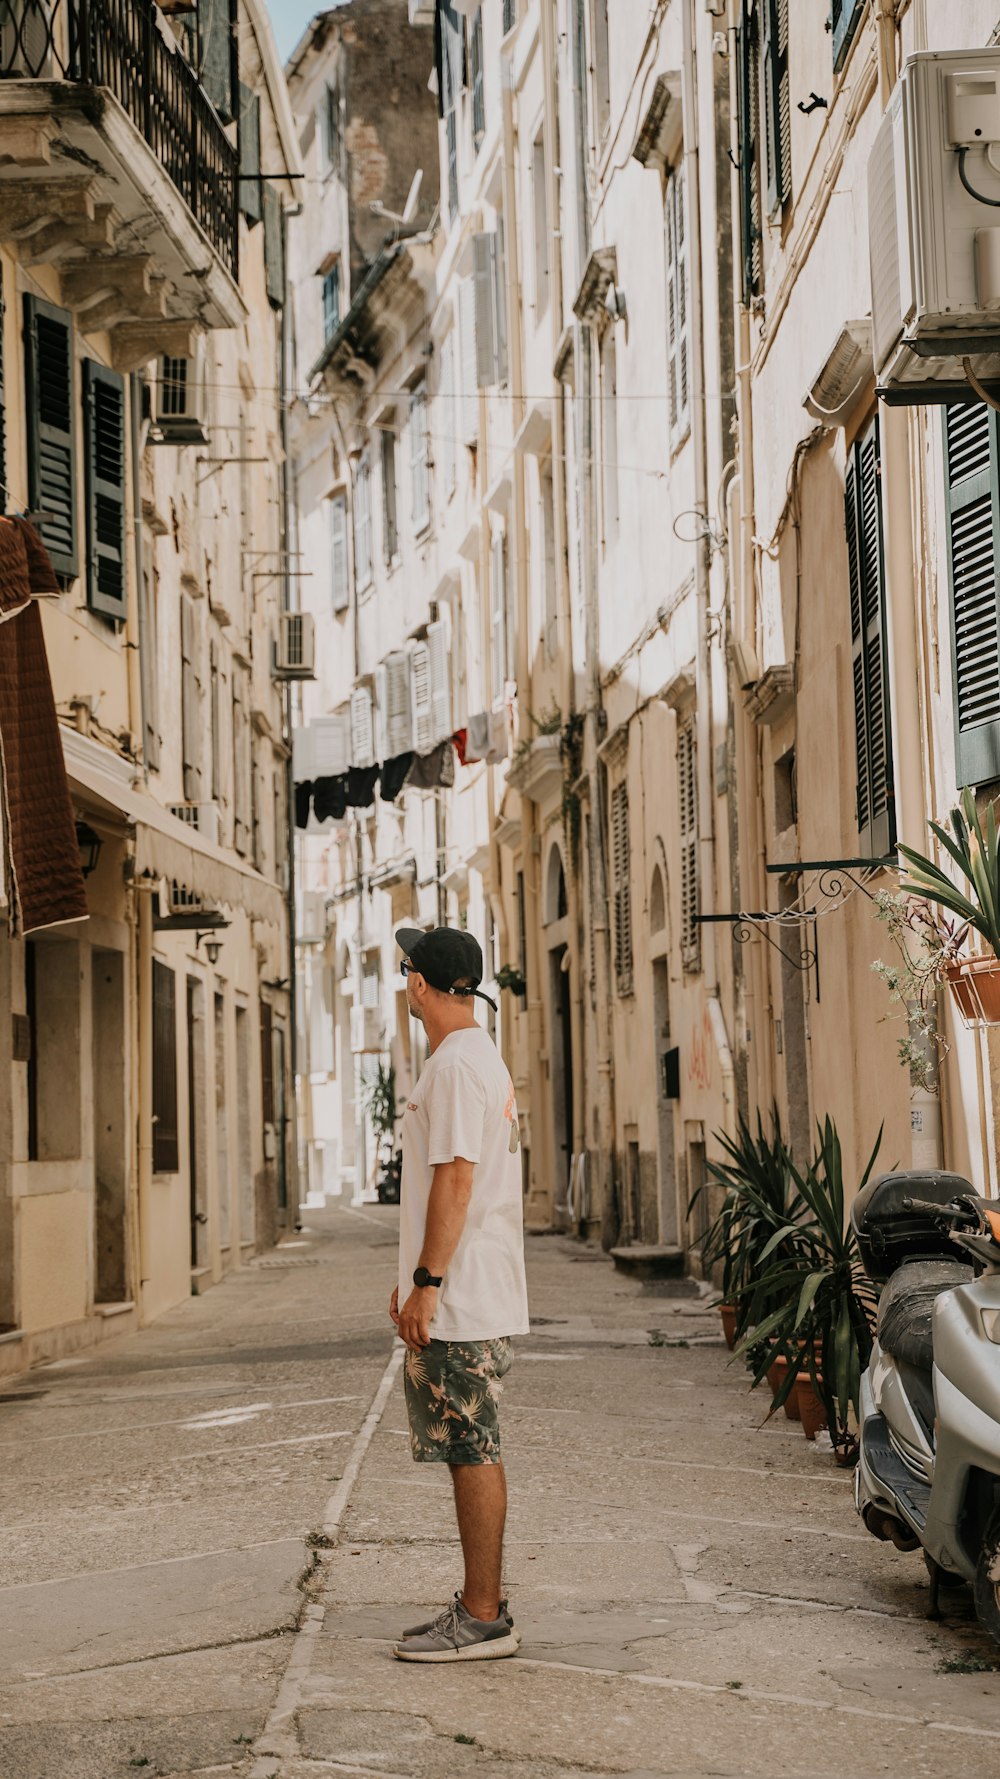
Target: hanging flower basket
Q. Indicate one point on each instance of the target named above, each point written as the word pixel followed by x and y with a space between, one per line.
pixel 975 989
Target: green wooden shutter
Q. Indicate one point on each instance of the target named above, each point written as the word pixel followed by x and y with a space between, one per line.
pixel 251 195
pixel 217 54
pixel 845 17
pixel 777 115
pixel 51 415
pixel 866 569
pixel 971 491
pixel 104 448
pixel 274 246
pixel 751 228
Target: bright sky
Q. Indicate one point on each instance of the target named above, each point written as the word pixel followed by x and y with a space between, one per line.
pixel 290 18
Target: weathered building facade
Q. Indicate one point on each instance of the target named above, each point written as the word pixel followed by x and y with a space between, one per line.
pixel 144 1052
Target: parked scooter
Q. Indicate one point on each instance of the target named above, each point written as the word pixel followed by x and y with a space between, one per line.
pixel 929 1469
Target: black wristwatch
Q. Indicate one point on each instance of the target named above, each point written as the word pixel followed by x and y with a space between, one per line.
pixel 423 1278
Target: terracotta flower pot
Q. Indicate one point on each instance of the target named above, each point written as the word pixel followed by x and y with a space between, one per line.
pixel 776 1377
pixel 727 1311
pixel 812 1413
pixel 975 988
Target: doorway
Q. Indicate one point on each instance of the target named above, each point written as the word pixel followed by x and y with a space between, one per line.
pixel 280 1113
pixel 666 1093
pixel 244 1155
pixel 562 1067
pixel 197 1119
pixel 222 1125
pixel 110 1125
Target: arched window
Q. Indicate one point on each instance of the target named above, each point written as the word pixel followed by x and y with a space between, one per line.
pixel 556 905
pixel 657 903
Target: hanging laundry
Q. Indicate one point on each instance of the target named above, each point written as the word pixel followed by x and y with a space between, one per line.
pixel 303 804
pixel 330 797
pixel 41 854
pixel 460 738
pixel 477 744
pixel 499 734
pixel 431 770
pixel 361 782
pixel 394 776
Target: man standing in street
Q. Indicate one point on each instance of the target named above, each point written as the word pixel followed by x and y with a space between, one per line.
pixel 462 1292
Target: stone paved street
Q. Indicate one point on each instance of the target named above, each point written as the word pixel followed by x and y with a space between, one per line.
pixel 695 1593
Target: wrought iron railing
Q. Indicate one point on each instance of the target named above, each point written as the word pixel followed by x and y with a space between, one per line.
pixel 125 45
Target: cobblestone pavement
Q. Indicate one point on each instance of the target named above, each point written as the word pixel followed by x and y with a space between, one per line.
pixel 210 1531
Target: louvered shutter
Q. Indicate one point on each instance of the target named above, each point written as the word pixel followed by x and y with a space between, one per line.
pixel 420 694
pixel 274 246
pixel 331 746
pixel 339 572
pixel 751 229
pixel 399 710
pixel 972 489
pixel 777 115
pixel 390 527
pixel 621 866
pixel 241 764
pixel 419 477
pixel 50 413
pixel 845 16
pixel 166 1155
pixel 362 727
pixel 470 361
pixel 104 446
pixel 687 797
pixel 678 341
pixel 440 669
pixel 873 750
pixel 190 702
pixel 482 275
pixel 499 302
pixel 217 60
pixel 251 193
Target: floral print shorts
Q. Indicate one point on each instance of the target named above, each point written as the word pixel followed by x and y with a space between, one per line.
pixel 453 1391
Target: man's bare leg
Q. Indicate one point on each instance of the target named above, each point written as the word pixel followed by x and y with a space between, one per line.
pixel 481 1506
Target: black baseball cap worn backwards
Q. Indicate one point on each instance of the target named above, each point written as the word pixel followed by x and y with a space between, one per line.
pixel 445 956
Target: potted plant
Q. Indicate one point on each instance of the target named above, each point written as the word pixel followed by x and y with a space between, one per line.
pixel 380 1105
pixel 813 1305
pixel 758 1197
pixel 974 980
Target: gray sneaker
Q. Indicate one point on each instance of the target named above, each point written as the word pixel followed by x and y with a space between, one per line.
pixel 455 1636
pixel 429 1623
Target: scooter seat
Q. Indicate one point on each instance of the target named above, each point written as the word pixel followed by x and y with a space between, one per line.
pixel 906 1308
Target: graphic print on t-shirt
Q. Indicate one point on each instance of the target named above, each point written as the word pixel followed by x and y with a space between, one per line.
pixel 510 1113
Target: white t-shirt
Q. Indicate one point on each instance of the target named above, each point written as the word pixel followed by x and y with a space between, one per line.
pixel 464 1105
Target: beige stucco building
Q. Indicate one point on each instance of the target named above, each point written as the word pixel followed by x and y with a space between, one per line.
pixel 145 1142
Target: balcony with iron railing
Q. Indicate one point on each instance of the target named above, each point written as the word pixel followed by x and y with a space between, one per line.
pixel 107 138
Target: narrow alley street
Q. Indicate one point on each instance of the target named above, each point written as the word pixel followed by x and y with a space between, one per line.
pixel 694 1591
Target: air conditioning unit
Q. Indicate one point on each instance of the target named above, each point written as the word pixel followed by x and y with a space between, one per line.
pixel 367 1030
pixel 203 816
pixel 177 402
pixel 295 648
pixel 933 229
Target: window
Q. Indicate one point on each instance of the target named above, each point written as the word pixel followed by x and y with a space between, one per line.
pixel 609 433
pixel 363 563
pixel 451 81
pixel 489 275
pixel 339 575
pixel 390 529
pixel 216 61
pixel 621 873
pixel 190 701
pixel 509 15
pixel 215 716
pixel 242 763
pixel 748 75
pixel 499 642
pixel 478 95
pixel 539 204
pixel 863 512
pixel 331 134
pixel 777 115
pixel 972 494
pixel 845 17
pixel 687 797
pixel 50 410
pixel 420 492
pixel 550 614
pixel 104 448
pixel 678 335
pixel 166 1158
pixel 331 302
pixel 522 929
pixel 447 416
pixel 599 61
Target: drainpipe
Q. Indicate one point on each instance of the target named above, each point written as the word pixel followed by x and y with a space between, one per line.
pixel 904 645
pixel 704 713
pixel 144 901
pixel 289 1136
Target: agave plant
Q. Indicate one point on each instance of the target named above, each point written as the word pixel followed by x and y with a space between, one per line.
pixel 759 1197
pixel 977 856
pixel 813 1304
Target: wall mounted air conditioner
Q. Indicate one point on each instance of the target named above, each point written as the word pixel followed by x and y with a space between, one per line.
pixel 295 648
pixel 177 402
pixel 367 1030
pixel 933 230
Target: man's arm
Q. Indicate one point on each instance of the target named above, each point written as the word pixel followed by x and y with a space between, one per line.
pixel 447 1209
